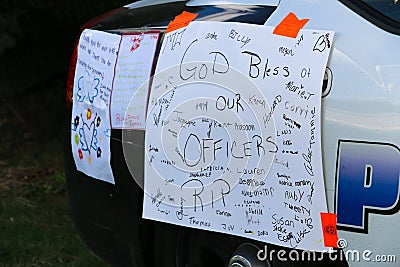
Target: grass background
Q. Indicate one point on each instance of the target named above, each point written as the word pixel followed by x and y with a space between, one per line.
pixel 35 222
pixel 36 40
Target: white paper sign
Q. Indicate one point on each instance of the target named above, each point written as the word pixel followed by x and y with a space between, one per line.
pixel 134 63
pixel 233 139
pixel 90 126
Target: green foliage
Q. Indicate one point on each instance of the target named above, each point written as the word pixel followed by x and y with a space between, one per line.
pixel 42 189
pixel 38 231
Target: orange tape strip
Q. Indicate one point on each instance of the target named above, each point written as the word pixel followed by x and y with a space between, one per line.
pixel 329 229
pixel 290 26
pixel 181 21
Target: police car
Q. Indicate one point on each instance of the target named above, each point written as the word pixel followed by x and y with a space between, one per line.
pixel 360 144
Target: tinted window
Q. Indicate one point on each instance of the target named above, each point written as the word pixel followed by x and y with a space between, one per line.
pixel 383 13
pixel 388 8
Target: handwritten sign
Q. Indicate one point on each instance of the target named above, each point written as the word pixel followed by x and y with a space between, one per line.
pixel 233 139
pixel 90 126
pixel 135 60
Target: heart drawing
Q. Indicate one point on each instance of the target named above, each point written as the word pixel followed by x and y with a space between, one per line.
pixel 136 42
pixel 87 130
pixel 88 136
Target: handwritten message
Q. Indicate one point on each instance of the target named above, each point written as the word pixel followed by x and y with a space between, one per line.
pixel 233 139
pixel 90 125
pixel 134 63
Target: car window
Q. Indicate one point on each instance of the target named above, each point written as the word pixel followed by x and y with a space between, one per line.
pixel 388 8
pixel 383 13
